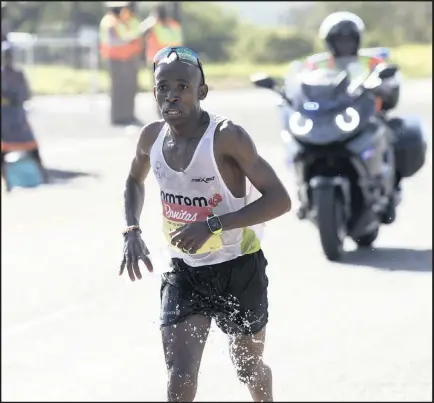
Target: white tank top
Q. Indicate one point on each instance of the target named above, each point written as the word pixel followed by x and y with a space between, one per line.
pixel 196 193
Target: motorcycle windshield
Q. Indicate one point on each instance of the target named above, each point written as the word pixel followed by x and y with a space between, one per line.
pixel 325 83
pixel 322 85
pixel 327 90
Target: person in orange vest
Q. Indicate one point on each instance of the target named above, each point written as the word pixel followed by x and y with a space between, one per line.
pixel 160 31
pixel 121 45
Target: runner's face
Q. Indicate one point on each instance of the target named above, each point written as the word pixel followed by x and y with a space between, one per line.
pixel 178 91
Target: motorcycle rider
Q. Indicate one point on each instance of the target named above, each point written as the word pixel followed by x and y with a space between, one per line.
pixel 342 33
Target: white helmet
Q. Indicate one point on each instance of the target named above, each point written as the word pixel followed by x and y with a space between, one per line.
pixel 342 32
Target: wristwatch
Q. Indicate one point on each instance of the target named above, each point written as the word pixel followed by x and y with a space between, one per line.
pixel 214 224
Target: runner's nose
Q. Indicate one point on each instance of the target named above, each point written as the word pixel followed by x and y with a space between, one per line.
pixel 172 96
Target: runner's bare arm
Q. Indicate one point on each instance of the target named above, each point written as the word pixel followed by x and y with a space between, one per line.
pixel 275 201
pixel 134 195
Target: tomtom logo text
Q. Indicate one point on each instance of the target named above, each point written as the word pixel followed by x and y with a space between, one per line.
pixel 187 201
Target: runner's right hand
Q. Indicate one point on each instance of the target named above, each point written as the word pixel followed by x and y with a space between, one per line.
pixel 134 250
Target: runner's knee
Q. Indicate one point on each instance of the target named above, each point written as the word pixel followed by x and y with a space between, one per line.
pixel 246 353
pixel 182 375
pixel 183 346
pixel 247 364
pixel 249 372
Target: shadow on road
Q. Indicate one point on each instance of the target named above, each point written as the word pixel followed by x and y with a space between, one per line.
pixel 395 259
pixel 57 176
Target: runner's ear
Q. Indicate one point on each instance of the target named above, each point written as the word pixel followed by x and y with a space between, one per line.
pixel 203 92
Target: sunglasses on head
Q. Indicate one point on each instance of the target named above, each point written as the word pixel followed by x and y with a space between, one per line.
pixel 183 54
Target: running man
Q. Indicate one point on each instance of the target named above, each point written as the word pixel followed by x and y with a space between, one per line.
pixel 216 192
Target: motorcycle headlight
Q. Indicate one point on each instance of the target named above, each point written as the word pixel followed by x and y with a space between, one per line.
pixel 300 125
pixel 348 121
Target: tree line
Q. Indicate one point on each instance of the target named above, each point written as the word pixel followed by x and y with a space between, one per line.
pixel 219 35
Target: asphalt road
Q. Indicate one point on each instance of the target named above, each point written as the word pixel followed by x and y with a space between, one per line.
pixel 72 330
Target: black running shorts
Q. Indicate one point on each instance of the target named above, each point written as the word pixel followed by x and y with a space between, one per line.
pixel 234 293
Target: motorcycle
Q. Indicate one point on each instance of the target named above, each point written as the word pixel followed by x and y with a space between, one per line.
pixel 347 157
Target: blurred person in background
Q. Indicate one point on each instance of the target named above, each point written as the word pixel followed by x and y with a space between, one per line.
pixel 160 31
pixel 121 45
pixel 16 133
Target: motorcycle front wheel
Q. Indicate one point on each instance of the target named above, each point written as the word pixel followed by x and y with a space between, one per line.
pixel 330 218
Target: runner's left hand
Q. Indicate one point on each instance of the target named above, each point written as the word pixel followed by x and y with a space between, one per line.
pixel 191 237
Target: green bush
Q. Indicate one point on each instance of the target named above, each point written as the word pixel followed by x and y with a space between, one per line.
pixel 258 45
pixel 374 39
pixel 208 30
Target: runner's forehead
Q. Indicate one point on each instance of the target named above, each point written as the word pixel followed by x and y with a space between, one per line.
pixel 177 71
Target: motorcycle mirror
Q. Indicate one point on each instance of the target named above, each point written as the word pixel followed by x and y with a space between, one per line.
pixel 282 93
pixel 263 81
pixel 388 71
pixel 371 81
